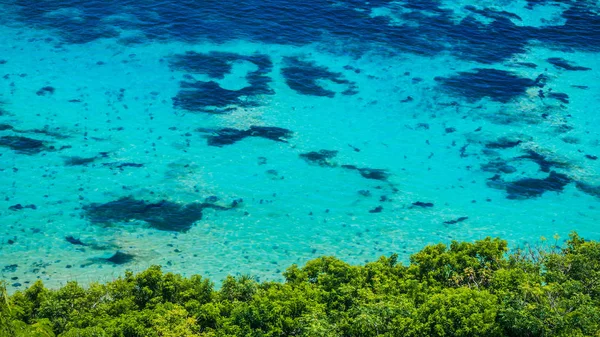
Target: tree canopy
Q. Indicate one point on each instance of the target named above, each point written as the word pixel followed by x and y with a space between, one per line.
pixel 464 289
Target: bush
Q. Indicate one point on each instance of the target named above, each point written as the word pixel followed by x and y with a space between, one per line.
pixel 466 289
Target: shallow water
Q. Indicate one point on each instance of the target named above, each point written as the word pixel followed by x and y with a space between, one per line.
pixel 191 134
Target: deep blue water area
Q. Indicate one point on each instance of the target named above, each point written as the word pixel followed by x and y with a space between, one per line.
pixel 213 136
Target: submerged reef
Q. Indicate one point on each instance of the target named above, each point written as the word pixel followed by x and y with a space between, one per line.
pixel 419 27
pixel 542 161
pixel 217 64
pixel 201 96
pixel 228 136
pixel 564 64
pixel 303 77
pixel 497 85
pixel 163 215
pixel 370 173
pixel 119 258
pixel 531 187
pixel 23 145
pixel 320 158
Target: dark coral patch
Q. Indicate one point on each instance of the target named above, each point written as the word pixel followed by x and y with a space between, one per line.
pixel 455 221
pixel 427 26
pixel 79 161
pixel 23 144
pixel 422 204
pixel 503 143
pixel 216 64
pixel 200 96
pixel 593 190
pixel 213 64
pixel 581 29
pixel 303 76
pixel 533 187
pixel 19 207
pixel 228 136
pixel 369 173
pixel 119 258
pixel 320 157
pixel 74 241
pixel 498 85
pixel 559 96
pixel 485 43
pixel 498 166
pixel 163 215
pixel 11 268
pixel 210 97
pixel 45 91
pixel 543 162
pixel 564 64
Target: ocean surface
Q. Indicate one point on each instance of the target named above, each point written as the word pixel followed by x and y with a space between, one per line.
pixel 240 137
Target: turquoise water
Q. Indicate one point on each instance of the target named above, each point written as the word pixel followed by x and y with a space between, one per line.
pixel 436 128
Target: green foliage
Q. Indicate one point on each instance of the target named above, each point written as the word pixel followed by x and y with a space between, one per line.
pixel 464 289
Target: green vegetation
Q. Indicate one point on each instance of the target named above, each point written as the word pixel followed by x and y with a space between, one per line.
pixel 466 289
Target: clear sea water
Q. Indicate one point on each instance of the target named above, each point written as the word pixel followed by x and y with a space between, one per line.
pixel 226 137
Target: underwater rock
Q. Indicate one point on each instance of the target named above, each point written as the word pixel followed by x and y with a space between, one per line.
pixel 213 64
pixel 376 174
pixel 274 175
pixel 455 221
pixel 498 85
pixel 163 215
pixel 369 173
pixel 564 64
pixel 498 166
pixel 23 145
pixel 210 97
pixel 78 161
pixel 422 204
pixel 45 90
pixel 270 132
pixel 559 96
pixel 526 64
pixel 533 187
pixel 74 241
pixel 121 165
pixel 503 143
pixel 212 199
pixel 217 64
pixel 227 136
pixel 119 258
pixel 236 202
pixel 11 268
pixel 4 127
pixel 364 193
pixel 589 189
pixel 320 158
pixel 19 207
pixel 377 209
pixel 44 131
pixel 303 77
pixel 544 164
pixel 493 14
